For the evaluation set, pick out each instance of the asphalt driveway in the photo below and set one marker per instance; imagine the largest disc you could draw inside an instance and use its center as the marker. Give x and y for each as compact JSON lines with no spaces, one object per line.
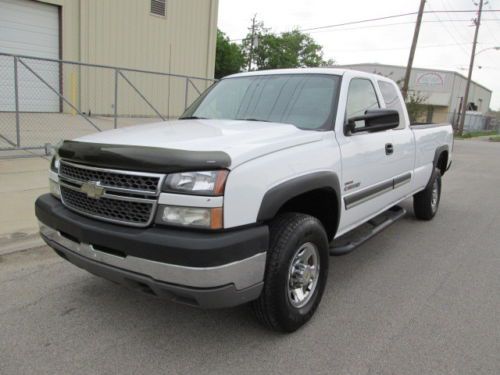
{"x":420,"y":298}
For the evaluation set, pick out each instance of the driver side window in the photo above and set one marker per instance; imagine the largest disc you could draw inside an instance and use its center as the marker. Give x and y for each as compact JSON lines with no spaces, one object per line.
{"x":360,"y":98}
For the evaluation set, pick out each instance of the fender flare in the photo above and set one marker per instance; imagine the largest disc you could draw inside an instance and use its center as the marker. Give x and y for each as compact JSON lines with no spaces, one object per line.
{"x":435,"y":169}
{"x":274,"y":198}
{"x":438,"y":153}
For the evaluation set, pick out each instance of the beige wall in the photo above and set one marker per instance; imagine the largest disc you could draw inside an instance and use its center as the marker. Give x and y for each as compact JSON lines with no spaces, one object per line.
{"x":440,"y":115}
{"x":124,"y":33}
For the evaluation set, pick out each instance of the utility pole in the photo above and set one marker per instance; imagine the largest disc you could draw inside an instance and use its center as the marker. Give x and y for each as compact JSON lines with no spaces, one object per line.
{"x":477,"y":22}
{"x":413,"y":48}
{"x":252,"y":39}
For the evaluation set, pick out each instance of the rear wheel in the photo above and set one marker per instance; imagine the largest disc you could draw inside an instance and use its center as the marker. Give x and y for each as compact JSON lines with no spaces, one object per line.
{"x":426,"y":203}
{"x":296,"y":272}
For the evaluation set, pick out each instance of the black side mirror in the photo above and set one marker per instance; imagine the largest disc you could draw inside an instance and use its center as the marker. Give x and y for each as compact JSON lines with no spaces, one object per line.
{"x":375,"y":120}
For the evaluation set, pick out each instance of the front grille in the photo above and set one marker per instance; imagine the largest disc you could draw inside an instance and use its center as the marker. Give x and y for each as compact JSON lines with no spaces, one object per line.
{"x":124,"y":197}
{"x":135,"y":213}
{"x":113,"y":179}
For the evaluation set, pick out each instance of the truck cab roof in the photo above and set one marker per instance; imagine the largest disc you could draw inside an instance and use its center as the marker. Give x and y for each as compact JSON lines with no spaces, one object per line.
{"x":329,"y":71}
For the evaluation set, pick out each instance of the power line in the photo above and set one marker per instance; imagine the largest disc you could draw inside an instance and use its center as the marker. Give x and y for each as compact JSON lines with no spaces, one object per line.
{"x":457,"y":30}
{"x":392,"y":16}
{"x":491,"y":32}
{"x":403,"y":48}
{"x":446,"y":28}
{"x":395,"y":24}
{"x":383,"y":18}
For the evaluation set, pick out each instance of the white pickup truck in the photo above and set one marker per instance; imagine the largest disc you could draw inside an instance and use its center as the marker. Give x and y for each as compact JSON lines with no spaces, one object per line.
{"x":244,"y":197}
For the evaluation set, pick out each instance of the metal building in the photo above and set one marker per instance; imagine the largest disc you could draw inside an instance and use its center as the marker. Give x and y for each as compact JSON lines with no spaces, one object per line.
{"x":170,"y":36}
{"x":442,"y":90}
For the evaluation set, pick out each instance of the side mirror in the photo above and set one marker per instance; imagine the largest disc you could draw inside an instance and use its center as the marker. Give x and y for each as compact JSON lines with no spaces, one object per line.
{"x":375,"y":120}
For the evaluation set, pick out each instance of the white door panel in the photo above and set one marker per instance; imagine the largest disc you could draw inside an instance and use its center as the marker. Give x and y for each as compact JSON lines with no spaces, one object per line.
{"x":372,"y":178}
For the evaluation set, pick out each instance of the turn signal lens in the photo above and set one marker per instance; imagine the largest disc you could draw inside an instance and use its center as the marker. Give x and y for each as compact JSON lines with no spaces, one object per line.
{"x":196,"y":217}
{"x":55,"y":189}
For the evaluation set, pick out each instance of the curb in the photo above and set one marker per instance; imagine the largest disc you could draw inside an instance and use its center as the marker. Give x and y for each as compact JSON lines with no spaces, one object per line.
{"x":12,"y":243}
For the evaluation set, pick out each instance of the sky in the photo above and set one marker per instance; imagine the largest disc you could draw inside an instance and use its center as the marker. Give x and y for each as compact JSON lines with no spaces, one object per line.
{"x":445,"y":40}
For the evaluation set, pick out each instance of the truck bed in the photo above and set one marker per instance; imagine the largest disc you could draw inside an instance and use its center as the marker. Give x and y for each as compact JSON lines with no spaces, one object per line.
{"x":424,"y":125}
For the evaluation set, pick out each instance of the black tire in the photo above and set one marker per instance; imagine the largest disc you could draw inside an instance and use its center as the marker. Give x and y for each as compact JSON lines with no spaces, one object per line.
{"x":424,"y":205}
{"x":289,"y":233}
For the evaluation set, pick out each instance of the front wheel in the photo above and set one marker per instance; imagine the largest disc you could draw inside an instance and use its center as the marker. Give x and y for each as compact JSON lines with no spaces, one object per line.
{"x":296,"y":272}
{"x":426,"y":202}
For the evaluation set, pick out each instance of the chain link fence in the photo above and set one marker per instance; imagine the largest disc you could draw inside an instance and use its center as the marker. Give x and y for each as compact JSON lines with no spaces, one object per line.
{"x":43,"y":100}
{"x":475,"y":122}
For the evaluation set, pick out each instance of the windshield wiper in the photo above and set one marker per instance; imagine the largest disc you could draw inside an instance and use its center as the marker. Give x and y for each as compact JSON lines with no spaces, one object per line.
{"x":193,"y":118}
{"x":251,"y":119}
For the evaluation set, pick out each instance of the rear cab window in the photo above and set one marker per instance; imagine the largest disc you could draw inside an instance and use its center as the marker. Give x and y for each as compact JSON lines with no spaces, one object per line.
{"x":392,"y":100}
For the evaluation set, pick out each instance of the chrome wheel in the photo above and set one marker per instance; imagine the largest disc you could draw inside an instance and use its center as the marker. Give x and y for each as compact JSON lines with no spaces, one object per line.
{"x":303,"y":275}
{"x":435,"y":196}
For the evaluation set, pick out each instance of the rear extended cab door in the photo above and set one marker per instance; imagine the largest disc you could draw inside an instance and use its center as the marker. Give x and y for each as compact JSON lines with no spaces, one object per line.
{"x":377,"y":167}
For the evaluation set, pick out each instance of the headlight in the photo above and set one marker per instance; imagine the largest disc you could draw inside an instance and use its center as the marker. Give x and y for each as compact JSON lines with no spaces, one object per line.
{"x":198,"y":183}
{"x":55,"y":163}
{"x":201,"y":217}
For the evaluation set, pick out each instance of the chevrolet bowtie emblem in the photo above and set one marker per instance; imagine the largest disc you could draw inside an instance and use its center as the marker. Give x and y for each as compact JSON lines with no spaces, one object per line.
{"x":92,"y":189}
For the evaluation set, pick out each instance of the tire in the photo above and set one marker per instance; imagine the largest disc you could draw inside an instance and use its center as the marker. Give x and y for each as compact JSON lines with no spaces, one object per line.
{"x":426,"y":202}
{"x":294,"y":238}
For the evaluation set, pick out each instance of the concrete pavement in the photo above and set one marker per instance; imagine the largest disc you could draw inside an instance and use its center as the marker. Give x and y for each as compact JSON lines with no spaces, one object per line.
{"x":22,"y":181}
{"x":420,"y":298}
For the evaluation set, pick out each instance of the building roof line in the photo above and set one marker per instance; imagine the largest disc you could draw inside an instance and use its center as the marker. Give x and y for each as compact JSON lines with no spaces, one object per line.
{"x":414,"y":68}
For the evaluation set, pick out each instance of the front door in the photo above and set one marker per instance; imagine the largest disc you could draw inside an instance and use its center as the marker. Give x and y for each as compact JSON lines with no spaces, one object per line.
{"x":367,"y":160}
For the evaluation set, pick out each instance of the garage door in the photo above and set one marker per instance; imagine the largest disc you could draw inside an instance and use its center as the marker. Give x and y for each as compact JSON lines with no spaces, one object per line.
{"x":29,"y":28}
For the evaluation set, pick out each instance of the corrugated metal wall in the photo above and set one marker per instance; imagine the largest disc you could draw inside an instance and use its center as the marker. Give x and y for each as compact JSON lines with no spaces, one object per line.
{"x":124,"y":33}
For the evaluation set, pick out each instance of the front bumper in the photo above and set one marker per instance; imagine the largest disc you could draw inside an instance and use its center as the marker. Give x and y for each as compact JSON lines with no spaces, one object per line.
{"x":202,"y":269}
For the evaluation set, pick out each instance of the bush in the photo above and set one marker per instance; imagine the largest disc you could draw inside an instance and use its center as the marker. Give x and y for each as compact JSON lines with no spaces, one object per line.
{"x":478,"y":134}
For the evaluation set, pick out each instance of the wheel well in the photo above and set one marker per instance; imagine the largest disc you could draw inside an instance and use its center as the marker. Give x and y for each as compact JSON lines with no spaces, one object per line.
{"x":442,"y":162}
{"x":320,"y":203}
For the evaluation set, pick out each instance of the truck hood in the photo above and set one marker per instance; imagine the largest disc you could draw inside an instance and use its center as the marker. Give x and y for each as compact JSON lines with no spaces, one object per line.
{"x":241,"y":140}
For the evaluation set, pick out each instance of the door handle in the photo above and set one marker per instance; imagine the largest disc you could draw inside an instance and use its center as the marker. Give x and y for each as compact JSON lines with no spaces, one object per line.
{"x":389,"y":149}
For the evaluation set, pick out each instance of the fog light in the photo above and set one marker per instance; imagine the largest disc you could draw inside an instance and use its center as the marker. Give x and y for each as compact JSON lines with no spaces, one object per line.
{"x":55,"y":189}
{"x":210,"y":218}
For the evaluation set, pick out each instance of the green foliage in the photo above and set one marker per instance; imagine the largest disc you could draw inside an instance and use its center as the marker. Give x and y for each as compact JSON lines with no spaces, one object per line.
{"x":229,"y":58}
{"x":495,"y":139}
{"x":292,"y":49}
{"x":480,"y":133}
{"x":415,"y":107}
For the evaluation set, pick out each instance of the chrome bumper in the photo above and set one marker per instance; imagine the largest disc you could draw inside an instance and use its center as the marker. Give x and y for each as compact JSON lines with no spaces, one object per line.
{"x":242,"y":274}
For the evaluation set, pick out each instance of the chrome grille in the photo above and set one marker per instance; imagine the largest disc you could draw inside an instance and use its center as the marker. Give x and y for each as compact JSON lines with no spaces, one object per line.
{"x":113,"y":179}
{"x":128,"y":198}
{"x":138,"y":213}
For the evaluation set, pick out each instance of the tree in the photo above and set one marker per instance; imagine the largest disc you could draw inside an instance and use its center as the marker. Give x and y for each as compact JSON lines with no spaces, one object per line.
{"x":229,"y":58}
{"x":292,"y":49}
{"x":256,"y":34}
{"x":415,"y":106}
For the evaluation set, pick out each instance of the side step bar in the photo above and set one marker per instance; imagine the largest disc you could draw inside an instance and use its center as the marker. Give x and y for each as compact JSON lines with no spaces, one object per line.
{"x":392,"y":215}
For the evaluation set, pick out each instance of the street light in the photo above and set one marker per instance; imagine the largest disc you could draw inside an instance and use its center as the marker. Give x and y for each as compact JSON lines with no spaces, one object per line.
{"x":469,"y":77}
{"x":497,"y":48}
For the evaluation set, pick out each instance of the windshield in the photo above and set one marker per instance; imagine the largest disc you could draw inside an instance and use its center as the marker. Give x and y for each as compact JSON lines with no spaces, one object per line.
{"x":304,"y":100}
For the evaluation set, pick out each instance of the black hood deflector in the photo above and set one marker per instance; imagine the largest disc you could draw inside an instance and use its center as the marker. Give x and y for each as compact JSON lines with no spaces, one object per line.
{"x":143,"y":159}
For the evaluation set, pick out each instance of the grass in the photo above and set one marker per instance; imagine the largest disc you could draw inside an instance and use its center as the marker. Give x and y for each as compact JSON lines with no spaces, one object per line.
{"x":476,"y":134}
{"x":495,"y":139}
